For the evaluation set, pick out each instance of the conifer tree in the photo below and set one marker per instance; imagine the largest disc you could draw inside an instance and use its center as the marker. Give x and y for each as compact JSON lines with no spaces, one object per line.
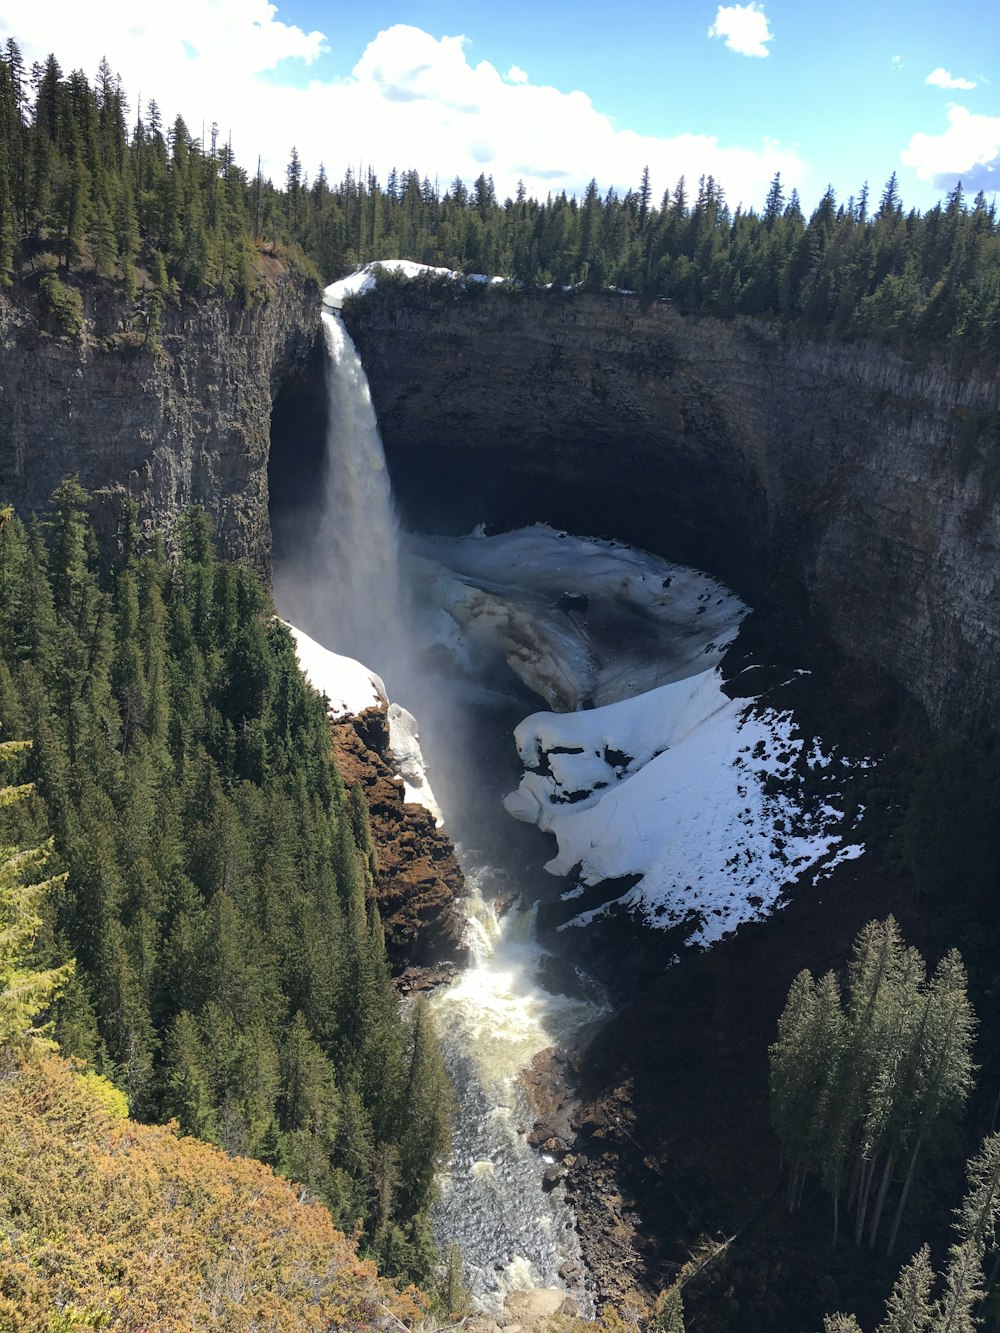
{"x":26,"y":991}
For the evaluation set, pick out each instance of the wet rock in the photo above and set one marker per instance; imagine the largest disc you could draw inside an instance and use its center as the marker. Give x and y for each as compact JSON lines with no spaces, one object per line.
{"x":421,"y":980}
{"x":552,"y":1177}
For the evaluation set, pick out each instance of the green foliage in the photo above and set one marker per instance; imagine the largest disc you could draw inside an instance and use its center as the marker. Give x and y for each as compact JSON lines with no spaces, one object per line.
{"x":26,"y":989}
{"x":218,"y":888}
{"x":62,"y":306}
{"x":857,"y":1088}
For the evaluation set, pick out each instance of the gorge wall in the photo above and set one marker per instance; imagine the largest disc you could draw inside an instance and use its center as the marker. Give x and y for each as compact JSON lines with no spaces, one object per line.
{"x":779,"y":464}
{"x":187,"y":422}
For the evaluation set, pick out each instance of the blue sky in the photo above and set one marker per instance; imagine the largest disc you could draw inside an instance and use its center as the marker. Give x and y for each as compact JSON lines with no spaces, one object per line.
{"x":557,"y":93}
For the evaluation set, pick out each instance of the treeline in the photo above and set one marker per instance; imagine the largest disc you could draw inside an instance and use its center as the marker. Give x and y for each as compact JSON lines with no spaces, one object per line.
{"x":218,"y":899}
{"x":93,"y":184}
{"x":849,"y":270}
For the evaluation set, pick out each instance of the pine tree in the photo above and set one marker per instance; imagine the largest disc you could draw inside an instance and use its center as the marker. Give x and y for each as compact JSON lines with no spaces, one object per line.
{"x":910,"y":1308}
{"x":26,"y":991}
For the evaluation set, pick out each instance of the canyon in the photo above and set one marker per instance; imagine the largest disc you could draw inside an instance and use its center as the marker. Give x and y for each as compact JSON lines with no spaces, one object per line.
{"x":847,"y":489}
{"x":847,"y":479}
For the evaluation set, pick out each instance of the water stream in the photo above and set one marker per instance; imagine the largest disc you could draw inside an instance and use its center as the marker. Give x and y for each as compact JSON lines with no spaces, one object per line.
{"x":344,"y":586}
{"x":492,"y":1021}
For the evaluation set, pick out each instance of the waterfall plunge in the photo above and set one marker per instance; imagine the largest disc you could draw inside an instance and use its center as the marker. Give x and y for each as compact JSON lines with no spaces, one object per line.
{"x":344,"y":586}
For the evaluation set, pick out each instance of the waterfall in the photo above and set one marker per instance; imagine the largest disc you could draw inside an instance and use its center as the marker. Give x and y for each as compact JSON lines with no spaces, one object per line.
{"x":344,"y":586}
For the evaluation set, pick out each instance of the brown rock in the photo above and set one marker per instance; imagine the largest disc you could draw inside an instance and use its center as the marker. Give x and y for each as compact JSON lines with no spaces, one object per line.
{"x":417,"y":877}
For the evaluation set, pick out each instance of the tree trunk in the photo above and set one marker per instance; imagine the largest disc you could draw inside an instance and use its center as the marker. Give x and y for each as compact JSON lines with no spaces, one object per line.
{"x":852,"y":1188}
{"x":866,"y":1186}
{"x":902,"y":1198}
{"x":890,"y":1162}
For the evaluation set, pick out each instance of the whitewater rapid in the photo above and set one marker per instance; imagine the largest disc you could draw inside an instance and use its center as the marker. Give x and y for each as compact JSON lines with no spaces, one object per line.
{"x":492,"y":1021}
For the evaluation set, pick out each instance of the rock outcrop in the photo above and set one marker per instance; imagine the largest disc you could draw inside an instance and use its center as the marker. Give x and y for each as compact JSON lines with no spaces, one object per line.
{"x":847,"y":472}
{"x":417,"y":879}
{"x":185,"y":423}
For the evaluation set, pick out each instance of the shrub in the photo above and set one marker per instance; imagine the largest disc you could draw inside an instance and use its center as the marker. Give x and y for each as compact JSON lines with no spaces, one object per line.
{"x":62,"y":307}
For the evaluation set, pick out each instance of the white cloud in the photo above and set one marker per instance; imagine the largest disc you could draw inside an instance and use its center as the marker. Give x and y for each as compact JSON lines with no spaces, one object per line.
{"x":411,"y":100}
{"x":744,"y":28}
{"x":516,"y":75}
{"x":940,"y":78}
{"x":968,"y":149}
{"x":897,"y":62}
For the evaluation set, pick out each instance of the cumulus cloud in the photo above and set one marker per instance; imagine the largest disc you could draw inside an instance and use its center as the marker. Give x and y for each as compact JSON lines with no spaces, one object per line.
{"x":896,"y":62}
{"x":411,"y":100}
{"x":940,"y":78}
{"x":968,"y":150}
{"x":744,"y":28}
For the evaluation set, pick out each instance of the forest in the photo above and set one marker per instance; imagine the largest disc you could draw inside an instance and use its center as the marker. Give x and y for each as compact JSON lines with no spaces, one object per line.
{"x":205,"y":946}
{"x":88,"y":183}
{"x":218,"y":893}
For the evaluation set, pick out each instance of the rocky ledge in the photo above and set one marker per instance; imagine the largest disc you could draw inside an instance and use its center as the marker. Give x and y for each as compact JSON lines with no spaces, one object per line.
{"x":417,"y":878}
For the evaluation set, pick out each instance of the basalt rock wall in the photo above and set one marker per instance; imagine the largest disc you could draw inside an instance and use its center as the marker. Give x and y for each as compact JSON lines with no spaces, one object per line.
{"x":866,"y":481}
{"x":177,"y":420}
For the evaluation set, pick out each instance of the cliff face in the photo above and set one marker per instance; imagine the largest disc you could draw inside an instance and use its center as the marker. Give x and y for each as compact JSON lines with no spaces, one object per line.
{"x":774,"y":462}
{"x":188,"y":424}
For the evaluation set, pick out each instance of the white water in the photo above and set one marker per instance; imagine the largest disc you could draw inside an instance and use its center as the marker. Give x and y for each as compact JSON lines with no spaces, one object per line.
{"x":492,"y":1021}
{"x":344,"y":585}
{"x":345,"y":588}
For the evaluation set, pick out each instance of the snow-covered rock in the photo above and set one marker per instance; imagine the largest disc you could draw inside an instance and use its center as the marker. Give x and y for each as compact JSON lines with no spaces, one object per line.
{"x":580,"y":621}
{"x":352,"y":689}
{"x":366,"y":279}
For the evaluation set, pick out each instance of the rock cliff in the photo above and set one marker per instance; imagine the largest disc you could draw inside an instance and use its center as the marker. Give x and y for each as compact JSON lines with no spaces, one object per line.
{"x":185,"y":424}
{"x":189,"y":423}
{"x":867,"y":481}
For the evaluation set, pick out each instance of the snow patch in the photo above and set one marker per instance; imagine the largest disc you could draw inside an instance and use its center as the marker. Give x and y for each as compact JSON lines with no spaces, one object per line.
{"x":366,"y":279}
{"x":707,"y":809}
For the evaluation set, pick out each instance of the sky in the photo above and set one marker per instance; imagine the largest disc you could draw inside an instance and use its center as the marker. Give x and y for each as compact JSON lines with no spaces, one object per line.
{"x":555,"y":94}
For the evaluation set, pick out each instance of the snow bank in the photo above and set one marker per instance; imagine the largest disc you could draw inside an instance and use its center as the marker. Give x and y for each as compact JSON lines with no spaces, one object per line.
{"x":350,"y":687}
{"x":700,"y":796}
{"x":366,"y":279}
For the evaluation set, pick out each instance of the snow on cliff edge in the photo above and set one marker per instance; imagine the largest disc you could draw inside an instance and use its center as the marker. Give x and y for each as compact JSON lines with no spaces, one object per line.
{"x":351,"y":689}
